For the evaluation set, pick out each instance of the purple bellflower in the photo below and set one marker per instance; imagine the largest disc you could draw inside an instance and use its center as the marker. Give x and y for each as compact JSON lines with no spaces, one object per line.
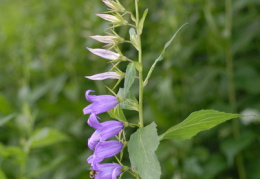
{"x":104,"y":130}
{"x":99,"y":103}
{"x":107,"y":170}
{"x":104,"y":150}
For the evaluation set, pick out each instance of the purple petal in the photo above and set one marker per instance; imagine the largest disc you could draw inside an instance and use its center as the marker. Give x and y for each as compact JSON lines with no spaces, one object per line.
{"x":107,"y":149}
{"x":107,"y":170}
{"x":110,"y":129}
{"x":93,"y":140}
{"x":90,"y":159}
{"x":100,"y":103}
{"x":93,"y":121}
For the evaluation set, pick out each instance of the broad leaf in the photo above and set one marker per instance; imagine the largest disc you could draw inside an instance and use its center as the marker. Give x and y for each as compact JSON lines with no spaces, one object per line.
{"x":129,"y":77}
{"x":141,"y":147}
{"x":47,"y":136}
{"x":197,"y":122}
{"x":117,"y":113}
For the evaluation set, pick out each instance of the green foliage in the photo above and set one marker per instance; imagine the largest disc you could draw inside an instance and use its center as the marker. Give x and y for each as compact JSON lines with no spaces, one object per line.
{"x":129,"y":77}
{"x":197,"y":122}
{"x":141,"y":147}
{"x":43,"y":53}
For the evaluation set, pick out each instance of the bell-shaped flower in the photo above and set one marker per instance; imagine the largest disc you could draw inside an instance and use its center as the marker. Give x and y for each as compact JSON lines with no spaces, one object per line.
{"x":93,"y":140}
{"x":103,"y":53}
{"x":118,"y":19}
{"x":99,"y":103}
{"x":104,"y":150}
{"x":109,"y":39}
{"x":104,"y":130}
{"x":103,"y":76}
{"x":107,"y":170}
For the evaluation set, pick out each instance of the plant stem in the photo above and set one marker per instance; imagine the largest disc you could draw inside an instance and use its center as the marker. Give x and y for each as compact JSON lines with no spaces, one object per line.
{"x":231,"y":88}
{"x":141,"y":83}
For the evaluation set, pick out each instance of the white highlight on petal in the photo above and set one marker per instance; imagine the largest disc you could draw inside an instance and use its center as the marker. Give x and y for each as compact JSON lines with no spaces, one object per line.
{"x":107,"y":54}
{"x":109,"y":17}
{"x":103,"y":76}
{"x":109,"y":4}
{"x":104,"y":39}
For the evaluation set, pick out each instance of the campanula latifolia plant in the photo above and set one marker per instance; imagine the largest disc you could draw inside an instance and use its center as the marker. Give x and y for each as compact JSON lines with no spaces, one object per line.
{"x":143,"y":143}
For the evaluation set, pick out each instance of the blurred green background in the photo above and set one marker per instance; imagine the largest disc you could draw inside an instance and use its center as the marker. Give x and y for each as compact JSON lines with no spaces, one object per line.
{"x":213,"y":63}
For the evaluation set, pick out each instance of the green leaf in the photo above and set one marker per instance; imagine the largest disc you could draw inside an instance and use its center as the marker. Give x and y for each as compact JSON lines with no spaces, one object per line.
{"x":196,"y":122}
{"x":117,"y":113}
{"x":16,"y":154}
{"x":130,"y":102}
{"x":129,"y":78}
{"x":161,"y":55}
{"x":133,"y":38}
{"x":5,"y":107}
{"x":46,"y":136}
{"x":141,"y":22}
{"x":6,"y":119}
{"x":2,"y":174}
{"x":141,"y":147}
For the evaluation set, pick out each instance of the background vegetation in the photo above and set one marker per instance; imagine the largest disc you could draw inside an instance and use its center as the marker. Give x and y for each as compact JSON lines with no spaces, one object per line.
{"x":212,"y":64}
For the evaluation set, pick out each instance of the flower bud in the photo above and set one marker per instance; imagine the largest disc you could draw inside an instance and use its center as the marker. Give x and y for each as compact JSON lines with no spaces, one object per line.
{"x":107,"y":54}
{"x":108,"y":39}
{"x":115,"y":6}
{"x":103,"y":76}
{"x":117,"y":20}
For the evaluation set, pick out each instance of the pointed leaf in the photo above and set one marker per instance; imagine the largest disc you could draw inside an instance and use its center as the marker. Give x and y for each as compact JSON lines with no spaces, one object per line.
{"x":47,"y":136}
{"x":133,"y":38}
{"x":141,"y":22}
{"x":130,"y":102}
{"x":196,"y":122}
{"x":6,"y":119}
{"x":141,"y":147}
{"x":117,"y":113}
{"x":129,"y":77}
{"x":161,"y":55}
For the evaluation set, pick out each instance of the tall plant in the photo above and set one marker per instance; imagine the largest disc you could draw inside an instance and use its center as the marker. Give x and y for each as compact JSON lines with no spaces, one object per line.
{"x":143,"y":143}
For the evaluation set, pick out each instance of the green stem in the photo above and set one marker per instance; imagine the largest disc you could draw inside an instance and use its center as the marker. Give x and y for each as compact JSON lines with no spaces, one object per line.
{"x":141,"y":83}
{"x":231,"y":87}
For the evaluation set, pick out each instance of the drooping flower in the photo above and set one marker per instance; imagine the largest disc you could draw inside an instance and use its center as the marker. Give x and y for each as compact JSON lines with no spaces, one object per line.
{"x":104,"y":130}
{"x":107,"y":170}
{"x":104,"y":150}
{"x":103,"y":76}
{"x":103,"y":53}
{"x":108,"y":39}
{"x":99,"y":103}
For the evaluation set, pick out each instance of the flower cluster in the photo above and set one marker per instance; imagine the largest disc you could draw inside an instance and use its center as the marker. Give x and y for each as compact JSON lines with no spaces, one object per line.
{"x":103,"y":103}
{"x":104,"y":130}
